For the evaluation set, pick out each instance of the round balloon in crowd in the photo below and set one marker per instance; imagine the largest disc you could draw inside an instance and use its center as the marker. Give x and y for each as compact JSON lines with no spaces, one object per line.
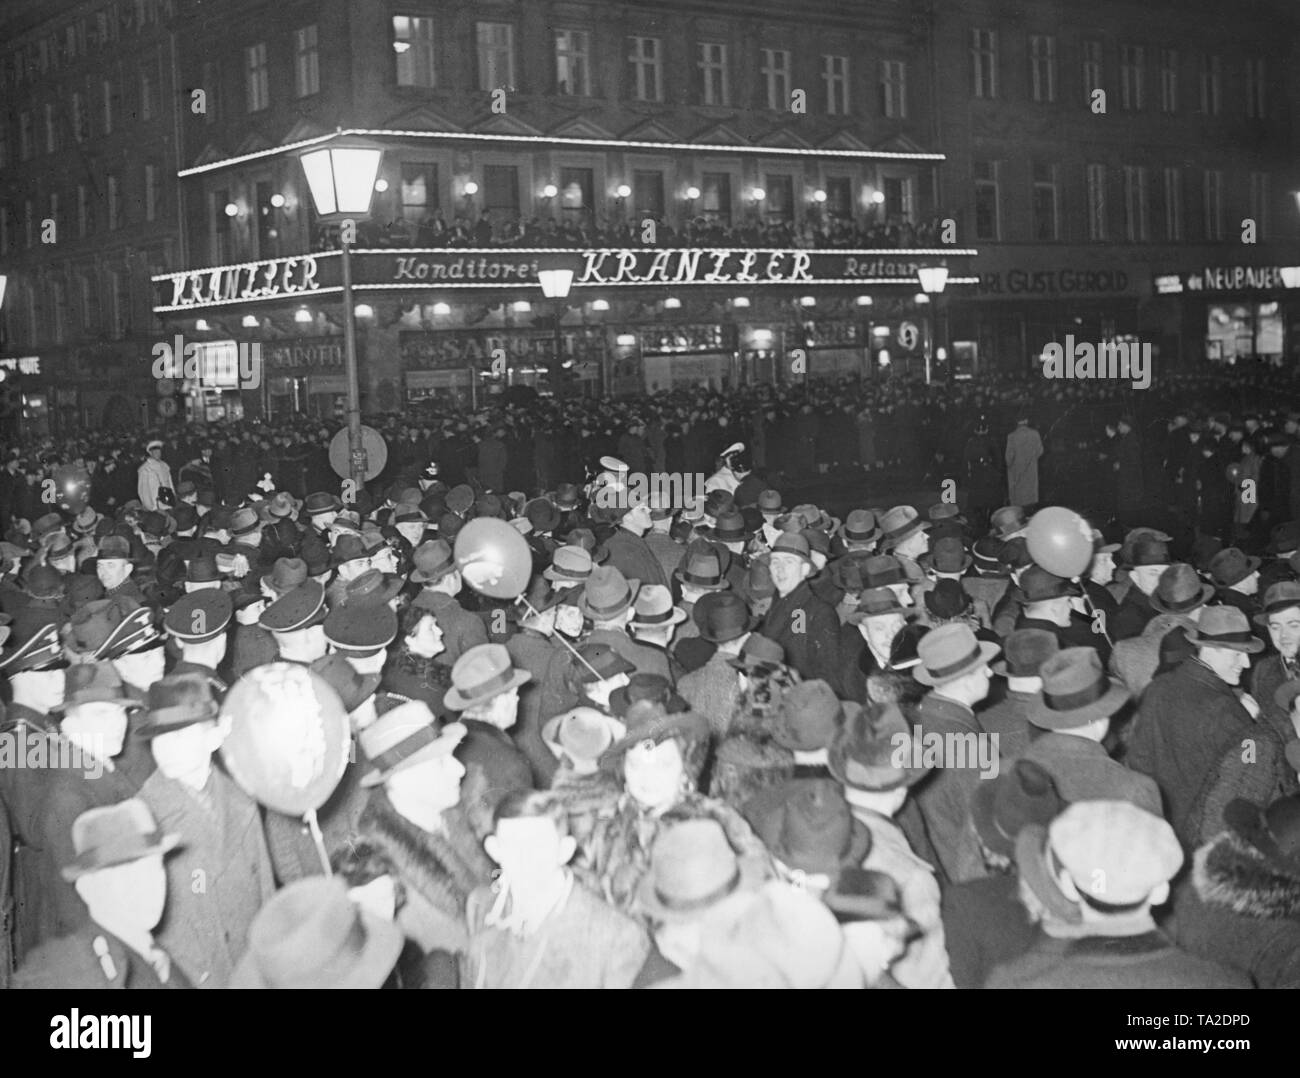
{"x":289,"y":740}
{"x":1060,"y":541}
{"x":493,"y":558}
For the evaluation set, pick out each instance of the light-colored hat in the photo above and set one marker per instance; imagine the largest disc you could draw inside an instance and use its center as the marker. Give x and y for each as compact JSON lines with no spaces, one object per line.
{"x":654,"y":608}
{"x":404,"y":737}
{"x":1115,"y":852}
{"x":692,"y":870}
{"x":484,"y":671}
{"x":582,"y":734}
{"x":949,"y":652}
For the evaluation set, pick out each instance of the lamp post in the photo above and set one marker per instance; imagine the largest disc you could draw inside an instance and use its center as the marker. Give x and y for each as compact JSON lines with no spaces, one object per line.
{"x":933,"y":281}
{"x":342,"y":177}
{"x":555,"y":274}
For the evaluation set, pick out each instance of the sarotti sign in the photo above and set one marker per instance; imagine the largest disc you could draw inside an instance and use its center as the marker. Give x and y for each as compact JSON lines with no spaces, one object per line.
{"x":320,"y":274}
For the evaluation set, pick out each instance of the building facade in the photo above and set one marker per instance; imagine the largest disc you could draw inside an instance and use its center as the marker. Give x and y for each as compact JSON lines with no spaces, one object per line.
{"x":1117,"y":163}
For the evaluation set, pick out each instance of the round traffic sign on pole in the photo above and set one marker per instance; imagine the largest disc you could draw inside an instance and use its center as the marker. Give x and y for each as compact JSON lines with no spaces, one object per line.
{"x":167,"y":407}
{"x":373,"y":448}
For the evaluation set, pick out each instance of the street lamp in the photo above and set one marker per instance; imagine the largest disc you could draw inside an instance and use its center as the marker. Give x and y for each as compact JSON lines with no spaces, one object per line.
{"x":933,"y":281}
{"x":555,"y":274}
{"x":342,"y":177}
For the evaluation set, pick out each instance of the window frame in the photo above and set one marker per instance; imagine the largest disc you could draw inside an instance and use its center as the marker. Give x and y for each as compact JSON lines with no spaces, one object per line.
{"x":719,"y":66}
{"x":831,"y":79}
{"x":257,"y":78}
{"x":565,"y":57}
{"x":306,"y":61}
{"x":982,"y":183}
{"x":984,"y":63}
{"x":893,"y":91}
{"x":1042,"y":69}
{"x":639,"y":64}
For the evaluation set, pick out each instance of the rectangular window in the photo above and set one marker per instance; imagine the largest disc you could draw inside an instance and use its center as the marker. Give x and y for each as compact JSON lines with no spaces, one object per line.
{"x":713,"y":73}
{"x":85,"y":219}
{"x":1136,"y":229}
{"x":648,"y":193}
{"x":59,"y":307}
{"x":1042,"y":68}
{"x":51,"y":129}
{"x":496,"y":56}
{"x":419,"y":190}
{"x":900,"y":199}
{"x":645,"y":58}
{"x":25,"y":136}
{"x":775,"y":69}
{"x":835,"y":74}
{"x":1259,"y":203}
{"x":114,"y":203}
{"x":1255,"y":83}
{"x":501,"y":190}
{"x":1045,"y":210}
{"x":893,"y":89}
{"x":413,"y":50}
{"x":1211,"y":85}
{"x":256,"y":87}
{"x":89,"y":304}
{"x":1213,"y":204}
{"x":80,"y":129}
{"x":1092,"y":71}
{"x":1173,"y":203}
{"x":1132,"y":74}
{"x":839,"y":198}
{"x":573,"y":63}
{"x":778,"y":206}
{"x":1096,"y":184}
{"x":576,"y":188}
{"x":986,"y":200}
{"x":1168,"y":80}
{"x":715,"y":197}
{"x":121,"y":294}
{"x":984,"y":63}
{"x":150,"y":192}
{"x":148,"y":96}
{"x":306,"y":60}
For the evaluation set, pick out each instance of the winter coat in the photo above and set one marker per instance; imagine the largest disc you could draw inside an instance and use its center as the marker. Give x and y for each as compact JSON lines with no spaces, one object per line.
{"x":217,"y":879}
{"x":1187,"y":720}
{"x":1256,"y":771}
{"x":1084,"y":771}
{"x":1240,"y":909}
{"x":629,"y":554}
{"x":440,"y":871}
{"x":152,"y":477}
{"x":944,"y":796}
{"x":461,"y":629}
{"x":1136,"y":660}
{"x":1024,"y":449}
{"x":1008,"y":720}
{"x":74,"y":962}
{"x":713,"y":692}
{"x":984,"y":926}
{"x":814,"y":651}
{"x":1265,"y":680}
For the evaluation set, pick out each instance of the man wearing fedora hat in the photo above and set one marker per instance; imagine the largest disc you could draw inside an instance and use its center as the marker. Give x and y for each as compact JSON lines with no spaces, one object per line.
{"x":802,"y":622}
{"x":440,"y":580}
{"x":955,"y":667}
{"x":655,"y":618}
{"x":609,"y":600}
{"x":536,"y":926}
{"x":1189,"y":717}
{"x":627,"y":549}
{"x":414,"y":816}
{"x":1281,"y":617}
{"x":1146,"y":560}
{"x":1180,"y":598}
{"x":714,"y":689}
{"x":1048,"y":605}
{"x":660,"y":536}
{"x":864,"y":758}
{"x":868,"y":644}
{"x":1024,"y":653}
{"x":1116,"y":861}
{"x":1236,"y":580}
{"x":1073,"y":709}
{"x":204,"y":930}
{"x":810,"y":832}
{"x":116,"y":864}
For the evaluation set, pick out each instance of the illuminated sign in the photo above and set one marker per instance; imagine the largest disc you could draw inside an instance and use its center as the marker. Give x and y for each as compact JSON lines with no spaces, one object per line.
{"x":22,"y":364}
{"x":1019,"y":282}
{"x":315,"y":276}
{"x":1230,"y":279}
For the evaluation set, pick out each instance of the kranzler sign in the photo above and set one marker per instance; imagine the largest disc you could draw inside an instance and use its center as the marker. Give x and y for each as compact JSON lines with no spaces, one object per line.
{"x":302,"y":278}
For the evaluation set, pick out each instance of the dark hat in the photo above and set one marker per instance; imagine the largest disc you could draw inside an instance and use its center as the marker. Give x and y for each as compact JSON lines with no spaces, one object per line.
{"x":95,"y":682}
{"x":202,"y":569}
{"x":542,"y":514}
{"x":566,"y":496}
{"x":1025,"y":651}
{"x":600,"y":662}
{"x":46,"y":525}
{"x":716,"y":501}
{"x":1284,"y":538}
{"x":1204,"y":548}
{"x":460,"y":498}
{"x":1015,"y":554}
{"x":877,"y":602}
{"x":489,"y":505}
{"x":83,"y":589}
{"x":433,"y":560}
{"x":722,"y":616}
{"x":42,"y":582}
{"x":882,"y":569}
{"x":947,"y":600}
{"x":177,"y":701}
{"x":199,"y":616}
{"x":1231,"y":566}
{"x":809,"y":717}
{"x":1224,"y":627}
{"x":298,"y":609}
{"x":693,"y":868}
{"x":285,"y":575}
{"x":949,"y":652}
{"x":1180,"y":590}
{"x":132,"y":630}
{"x":1038,"y":585}
{"x":1007,"y":522}
{"x":115,"y":835}
{"x":361,"y":629}
{"x":349,"y":547}
{"x":1146,"y":551}
{"x":758,"y":652}
{"x":648,"y":721}
{"x":646,"y":686}
{"x":607,"y":594}
{"x":807,"y":825}
{"x":371,"y":588}
{"x":40,"y":651}
{"x":114,"y":547}
{"x":1024,"y":795}
{"x":867,"y":751}
{"x":1075,"y":692}
{"x":1273,"y":831}
{"x":354,"y":688}
{"x":770,"y":501}
{"x":758,"y":581}
{"x":863,"y":894}
{"x":947,"y":555}
{"x":321,"y":502}
{"x":185,"y":516}
{"x":154,"y":524}
{"x":730,"y":527}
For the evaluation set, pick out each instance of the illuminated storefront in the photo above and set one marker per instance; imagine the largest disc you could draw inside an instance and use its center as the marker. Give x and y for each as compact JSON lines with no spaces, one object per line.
{"x":1236,"y":314}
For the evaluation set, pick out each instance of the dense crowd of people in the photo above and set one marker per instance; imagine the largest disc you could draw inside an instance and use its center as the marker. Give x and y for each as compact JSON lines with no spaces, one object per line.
{"x":509,"y":716}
